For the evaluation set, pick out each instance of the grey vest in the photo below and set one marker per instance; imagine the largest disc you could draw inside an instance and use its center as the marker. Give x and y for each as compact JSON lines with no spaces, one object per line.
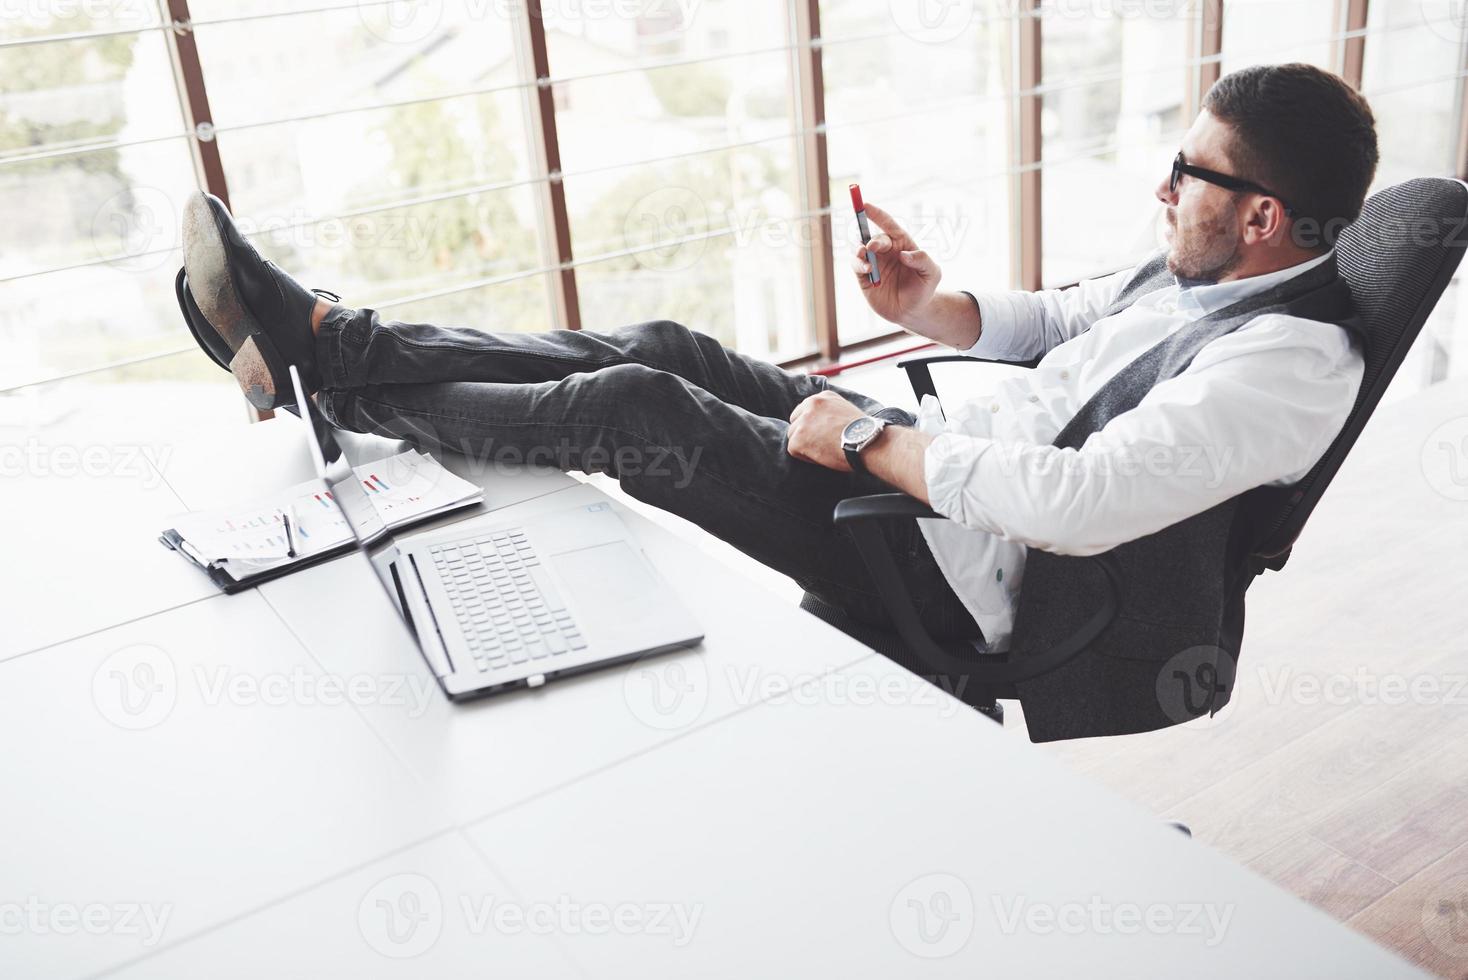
{"x":1170,"y":653}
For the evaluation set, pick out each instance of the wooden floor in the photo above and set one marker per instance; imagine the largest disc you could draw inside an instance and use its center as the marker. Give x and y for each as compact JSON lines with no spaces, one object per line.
{"x":1340,"y":769}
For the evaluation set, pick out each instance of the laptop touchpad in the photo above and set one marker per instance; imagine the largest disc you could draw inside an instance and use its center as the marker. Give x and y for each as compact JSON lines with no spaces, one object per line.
{"x":609,"y":583}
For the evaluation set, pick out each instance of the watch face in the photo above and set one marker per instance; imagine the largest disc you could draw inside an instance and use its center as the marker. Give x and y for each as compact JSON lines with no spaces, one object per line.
{"x":859,"y":430}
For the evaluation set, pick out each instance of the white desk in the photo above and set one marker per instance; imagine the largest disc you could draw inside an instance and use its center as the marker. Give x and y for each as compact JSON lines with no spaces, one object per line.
{"x":779,"y":801}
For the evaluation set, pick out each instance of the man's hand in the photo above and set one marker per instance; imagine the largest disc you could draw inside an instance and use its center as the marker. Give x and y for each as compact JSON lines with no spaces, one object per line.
{"x":815,"y":430}
{"x":896,"y":458}
{"x":909,"y":277}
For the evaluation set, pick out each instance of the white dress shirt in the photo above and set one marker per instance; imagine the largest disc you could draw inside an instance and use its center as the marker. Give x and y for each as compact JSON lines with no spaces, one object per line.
{"x":1257,"y":406}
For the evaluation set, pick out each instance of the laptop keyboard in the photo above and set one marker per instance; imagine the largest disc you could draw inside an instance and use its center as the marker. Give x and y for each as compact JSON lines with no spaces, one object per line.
{"x":507,"y":617}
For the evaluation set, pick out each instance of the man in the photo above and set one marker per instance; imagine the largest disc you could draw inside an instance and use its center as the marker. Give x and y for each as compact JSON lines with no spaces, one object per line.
{"x":1278,"y":160}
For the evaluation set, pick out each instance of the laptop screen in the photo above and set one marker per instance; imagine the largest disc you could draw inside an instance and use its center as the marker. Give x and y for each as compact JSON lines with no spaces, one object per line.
{"x":374,"y":539}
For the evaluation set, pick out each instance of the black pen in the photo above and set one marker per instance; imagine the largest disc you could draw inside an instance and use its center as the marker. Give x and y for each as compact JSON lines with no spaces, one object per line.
{"x":290,"y":541}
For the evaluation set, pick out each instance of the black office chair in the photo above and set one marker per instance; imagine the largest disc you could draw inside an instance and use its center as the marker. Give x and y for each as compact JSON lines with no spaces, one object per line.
{"x":1397,"y":258}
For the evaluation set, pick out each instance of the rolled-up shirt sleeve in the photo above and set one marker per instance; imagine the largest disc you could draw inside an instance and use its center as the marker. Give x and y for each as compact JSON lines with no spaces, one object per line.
{"x":1019,"y":325}
{"x":1258,"y":406}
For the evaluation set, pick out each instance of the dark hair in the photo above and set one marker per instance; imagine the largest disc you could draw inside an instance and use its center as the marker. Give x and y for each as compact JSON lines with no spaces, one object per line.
{"x":1303,"y":133}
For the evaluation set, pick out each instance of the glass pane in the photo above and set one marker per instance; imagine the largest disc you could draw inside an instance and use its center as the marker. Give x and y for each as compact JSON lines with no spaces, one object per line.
{"x":677,"y":140}
{"x":117,"y":206}
{"x":204,"y":11}
{"x":89,"y":247}
{"x":48,"y":19}
{"x":358,"y":56}
{"x":1259,"y":32}
{"x":625,"y":118}
{"x":410,"y":181}
{"x":384,"y":255}
{"x":64,"y":94}
{"x":291,"y":173}
{"x":748,"y":296}
{"x":1118,"y":134}
{"x":1414,"y":50}
{"x":917,"y":113}
{"x":517,"y":305}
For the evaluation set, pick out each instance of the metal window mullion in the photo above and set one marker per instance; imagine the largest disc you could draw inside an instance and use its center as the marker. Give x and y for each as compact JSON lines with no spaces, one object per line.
{"x":545,"y":154}
{"x":1460,"y":109}
{"x":814,"y":175}
{"x":1207,"y":41}
{"x":194,"y":97}
{"x":195,"y":100}
{"x":1027,"y":183}
{"x":1349,"y":49}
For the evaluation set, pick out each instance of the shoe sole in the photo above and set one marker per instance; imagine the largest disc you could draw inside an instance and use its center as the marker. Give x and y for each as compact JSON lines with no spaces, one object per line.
{"x":256,"y":365}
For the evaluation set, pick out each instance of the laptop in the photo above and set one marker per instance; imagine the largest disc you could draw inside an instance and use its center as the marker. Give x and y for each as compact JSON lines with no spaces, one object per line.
{"x":512,"y":604}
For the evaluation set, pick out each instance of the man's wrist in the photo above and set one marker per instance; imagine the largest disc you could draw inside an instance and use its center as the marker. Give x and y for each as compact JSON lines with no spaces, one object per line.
{"x":897,"y":457}
{"x":950,"y":318}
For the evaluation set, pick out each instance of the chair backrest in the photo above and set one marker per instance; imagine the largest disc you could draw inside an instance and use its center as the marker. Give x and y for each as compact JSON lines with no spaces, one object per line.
{"x":1397,"y":258}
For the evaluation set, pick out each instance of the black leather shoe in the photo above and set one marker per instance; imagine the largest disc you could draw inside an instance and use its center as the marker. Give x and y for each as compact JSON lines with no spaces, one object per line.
{"x":209,"y":341}
{"x":256,"y":318}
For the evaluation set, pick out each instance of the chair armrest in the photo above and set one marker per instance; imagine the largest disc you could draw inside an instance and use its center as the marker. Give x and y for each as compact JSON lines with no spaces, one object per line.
{"x":921,"y":377}
{"x":860,"y":515}
{"x":855,"y":509}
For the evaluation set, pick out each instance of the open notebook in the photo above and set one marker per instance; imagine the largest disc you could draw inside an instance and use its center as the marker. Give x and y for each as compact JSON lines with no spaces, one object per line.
{"x":247,"y":544}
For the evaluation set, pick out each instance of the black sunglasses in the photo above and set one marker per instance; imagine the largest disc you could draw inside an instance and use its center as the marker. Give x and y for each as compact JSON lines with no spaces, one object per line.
{"x":1226,"y":181}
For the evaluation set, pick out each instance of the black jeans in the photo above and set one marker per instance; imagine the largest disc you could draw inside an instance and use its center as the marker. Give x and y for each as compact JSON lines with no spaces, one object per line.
{"x":680,"y":421}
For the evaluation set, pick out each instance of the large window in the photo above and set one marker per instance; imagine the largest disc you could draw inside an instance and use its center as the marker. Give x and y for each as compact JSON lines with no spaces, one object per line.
{"x":398,"y":152}
{"x":1114,"y":82}
{"x":918,"y":113}
{"x":1413,"y":75}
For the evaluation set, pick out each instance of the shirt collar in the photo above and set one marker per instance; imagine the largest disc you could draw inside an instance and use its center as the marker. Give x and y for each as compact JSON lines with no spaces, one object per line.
{"x":1197,"y":301}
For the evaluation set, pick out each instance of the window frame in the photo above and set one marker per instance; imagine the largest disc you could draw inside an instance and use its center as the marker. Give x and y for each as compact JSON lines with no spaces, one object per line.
{"x":819,"y":275}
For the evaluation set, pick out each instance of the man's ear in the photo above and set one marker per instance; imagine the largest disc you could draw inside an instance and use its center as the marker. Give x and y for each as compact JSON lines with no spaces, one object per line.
{"x":1265,"y":222}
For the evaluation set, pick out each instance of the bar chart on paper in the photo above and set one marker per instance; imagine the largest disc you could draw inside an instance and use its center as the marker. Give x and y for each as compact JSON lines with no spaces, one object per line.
{"x":402,"y":489}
